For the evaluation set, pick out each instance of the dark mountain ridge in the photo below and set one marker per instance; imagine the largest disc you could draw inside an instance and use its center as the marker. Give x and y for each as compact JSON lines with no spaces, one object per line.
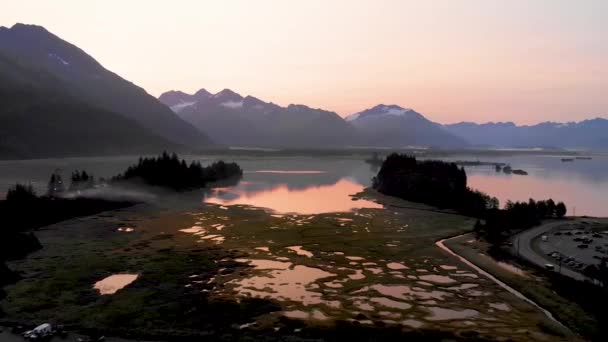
{"x":85,"y":79}
{"x":38,"y":119}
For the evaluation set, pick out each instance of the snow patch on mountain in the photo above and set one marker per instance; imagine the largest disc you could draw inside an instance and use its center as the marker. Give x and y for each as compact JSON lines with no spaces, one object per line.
{"x":379,"y":111}
{"x":396,"y":111}
{"x":353,"y":117}
{"x":57,"y":57}
{"x":180,"y":106}
{"x":232,"y":104}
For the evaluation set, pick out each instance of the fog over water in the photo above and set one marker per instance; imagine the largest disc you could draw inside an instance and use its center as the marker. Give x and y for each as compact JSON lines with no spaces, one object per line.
{"x":309,"y":183}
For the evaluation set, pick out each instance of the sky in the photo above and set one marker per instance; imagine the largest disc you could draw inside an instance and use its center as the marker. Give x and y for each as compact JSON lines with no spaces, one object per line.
{"x":453,"y":60}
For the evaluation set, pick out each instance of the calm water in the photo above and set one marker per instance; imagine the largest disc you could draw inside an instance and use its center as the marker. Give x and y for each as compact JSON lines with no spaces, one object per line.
{"x":323,"y":184}
{"x":581,"y":184}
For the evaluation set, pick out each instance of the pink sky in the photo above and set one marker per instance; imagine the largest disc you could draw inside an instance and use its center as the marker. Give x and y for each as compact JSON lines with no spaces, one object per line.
{"x":476,"y":60}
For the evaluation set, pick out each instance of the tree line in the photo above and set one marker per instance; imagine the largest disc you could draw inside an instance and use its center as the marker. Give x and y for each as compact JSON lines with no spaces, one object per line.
{"x":499,"y":223}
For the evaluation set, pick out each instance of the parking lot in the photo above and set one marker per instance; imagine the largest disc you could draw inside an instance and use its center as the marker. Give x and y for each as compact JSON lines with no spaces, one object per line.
{"x":576,"y":244}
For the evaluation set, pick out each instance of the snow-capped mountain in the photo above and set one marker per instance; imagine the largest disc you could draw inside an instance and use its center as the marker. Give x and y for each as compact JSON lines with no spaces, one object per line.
{"x":589,"y":134}
{"x":394,"y":126}
{"x":231,"y":119}
{"x":382,"y":110}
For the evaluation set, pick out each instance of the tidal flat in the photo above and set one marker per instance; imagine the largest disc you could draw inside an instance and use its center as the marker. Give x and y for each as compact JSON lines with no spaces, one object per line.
{"x":236,"y":271}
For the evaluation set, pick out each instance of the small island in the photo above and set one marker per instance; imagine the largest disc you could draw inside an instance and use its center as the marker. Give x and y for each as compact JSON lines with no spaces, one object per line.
{"x":169,"y":171}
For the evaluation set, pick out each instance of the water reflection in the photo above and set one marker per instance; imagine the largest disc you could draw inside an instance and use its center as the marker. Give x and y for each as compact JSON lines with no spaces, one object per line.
{"x":113,"y":283}
{"x":291,"y":172}
{"x":314,"y":199}
{"x":442,"y":314}
{"x":582,"y":184}
{"x":283,"y":281}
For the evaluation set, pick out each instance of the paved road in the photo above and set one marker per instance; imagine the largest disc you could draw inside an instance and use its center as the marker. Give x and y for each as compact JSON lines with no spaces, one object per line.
{"x":522,"y":245}
{"x":441,"y":244}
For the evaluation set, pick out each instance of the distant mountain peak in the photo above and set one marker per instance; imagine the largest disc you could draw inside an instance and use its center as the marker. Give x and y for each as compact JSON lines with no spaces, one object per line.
{"x":29,"y":28}
{"x":382,"y":110}
{"x":252,"y":101}
{"x":175,"y":93}
{"x":228,"y":94}
{"x":29,"y":33}
{"x":174,"y":99}
{"x":202,"y":93}
{"x":390,"y":108}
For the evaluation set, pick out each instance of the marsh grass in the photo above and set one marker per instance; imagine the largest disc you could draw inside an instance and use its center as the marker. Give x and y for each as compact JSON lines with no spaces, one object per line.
{"x":184,"y":289}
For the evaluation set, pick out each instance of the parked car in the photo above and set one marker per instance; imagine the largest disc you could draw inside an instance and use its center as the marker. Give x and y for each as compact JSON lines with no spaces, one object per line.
{"x":41,"y":331}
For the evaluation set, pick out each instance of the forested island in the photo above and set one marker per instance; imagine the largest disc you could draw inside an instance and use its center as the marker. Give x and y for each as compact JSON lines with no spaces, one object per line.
{"x":170,"y":172}
{"x":444,"y":185}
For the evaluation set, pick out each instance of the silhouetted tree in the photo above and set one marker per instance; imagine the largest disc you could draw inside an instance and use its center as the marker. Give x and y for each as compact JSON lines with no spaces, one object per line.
{"x":560,"y":210}
{"x":21,"y":193}
{"x":81,"y":181}
{"x":541,"y":208}
{"x":550,"y":208}
{"x":55,"y":186}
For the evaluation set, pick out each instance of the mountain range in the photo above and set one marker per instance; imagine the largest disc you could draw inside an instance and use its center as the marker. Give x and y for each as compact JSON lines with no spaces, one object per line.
{"x":234,"y":120}
{"x":587,"y":134}
{"x":58,"y":100}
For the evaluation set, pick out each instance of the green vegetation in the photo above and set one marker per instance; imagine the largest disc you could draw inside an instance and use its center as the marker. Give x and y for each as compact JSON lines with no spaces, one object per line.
{"x":171,"y":172}
{"x":185,"y":288}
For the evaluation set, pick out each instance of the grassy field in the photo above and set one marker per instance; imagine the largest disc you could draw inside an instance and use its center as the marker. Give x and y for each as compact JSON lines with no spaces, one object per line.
{"x":361,"y":275}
